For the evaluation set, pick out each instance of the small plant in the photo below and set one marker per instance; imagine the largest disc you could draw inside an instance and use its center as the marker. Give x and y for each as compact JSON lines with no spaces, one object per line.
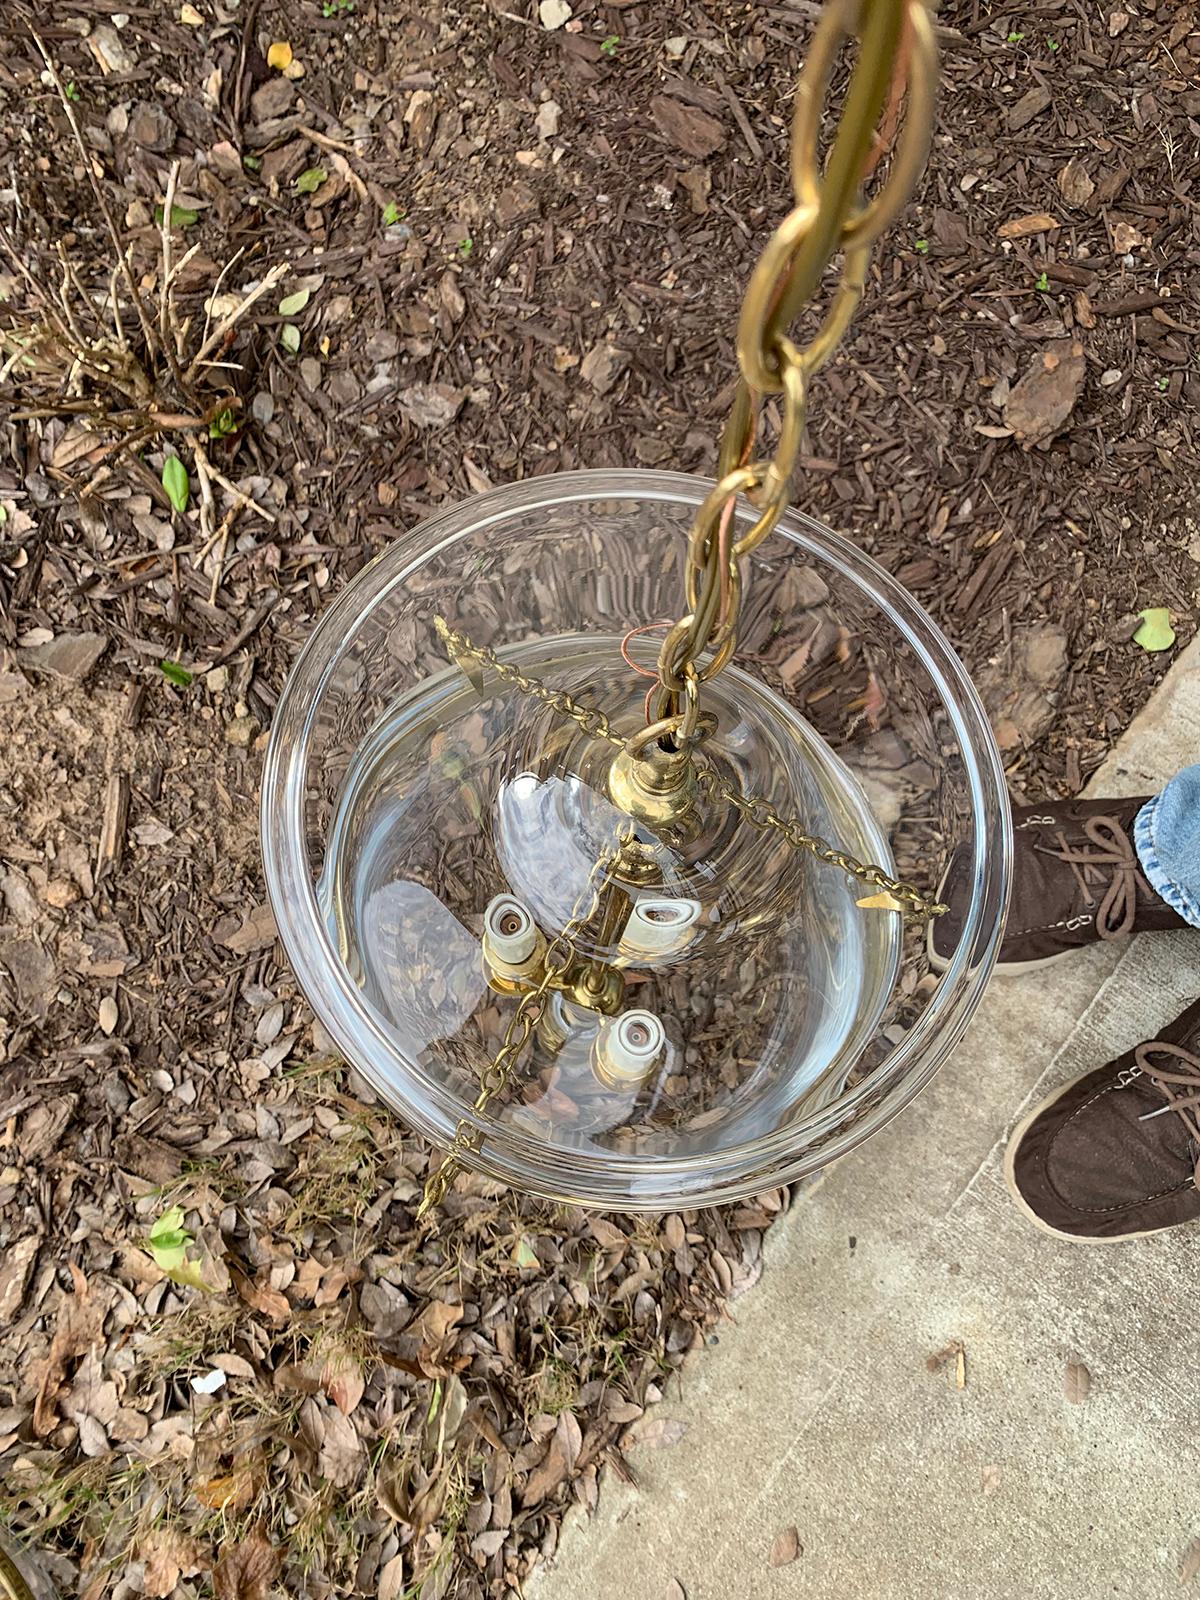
{"x":1053,"y":45}
{"x":1162,"y":384}
{"x":223,"y":424}
{"x":72,"y":92}
{"x":1015,"y":38}
{"x":174,"y":672}
{"x":465,"y":246}
{"x":336,"y":8}
{"x":610,"y":45}
{"x":922,"y":247}
{"x":181,"y":216}
{"x":310,"y":180}
{"x":392,"y":214}
{"x":1043,"y":283}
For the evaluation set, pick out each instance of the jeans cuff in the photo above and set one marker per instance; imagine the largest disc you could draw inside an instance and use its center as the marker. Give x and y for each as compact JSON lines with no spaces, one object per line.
{"x":1173,"y":893}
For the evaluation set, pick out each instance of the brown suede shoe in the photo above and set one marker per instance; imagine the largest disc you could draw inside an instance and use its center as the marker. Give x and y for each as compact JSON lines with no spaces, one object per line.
{"x":1076,"y":879}
{"x":1115,"y":1154}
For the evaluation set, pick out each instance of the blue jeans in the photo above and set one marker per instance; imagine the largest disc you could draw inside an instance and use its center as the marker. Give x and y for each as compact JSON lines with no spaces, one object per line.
{"x":1167,"y":836}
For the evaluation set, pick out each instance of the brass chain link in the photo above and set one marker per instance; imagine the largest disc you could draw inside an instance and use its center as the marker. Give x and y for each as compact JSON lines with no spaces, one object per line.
{"x":561,"y":955}
{"x":897,"y":55}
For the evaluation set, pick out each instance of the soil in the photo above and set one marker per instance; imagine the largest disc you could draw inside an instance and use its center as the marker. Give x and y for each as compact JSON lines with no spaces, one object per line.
{"x":524,"y":253}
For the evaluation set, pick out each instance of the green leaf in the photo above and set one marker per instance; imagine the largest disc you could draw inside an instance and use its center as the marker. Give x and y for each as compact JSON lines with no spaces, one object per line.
{"x":289,"y":337}
{"x":922,"y":245}
{"x":175,"y":482}
{"x":391,"y":214}
{"x":525,"y":1255}
{"x":168,"y":1245}
{"x":1156,"y":632}
{"x":181,"y":216}
{"x":310,"y":180}
{"x":254,"y":163}
{"x":291,"y":304}
{"x":609,"y":45}
{"x":174,"y":673}
{"x":1043,"y":283}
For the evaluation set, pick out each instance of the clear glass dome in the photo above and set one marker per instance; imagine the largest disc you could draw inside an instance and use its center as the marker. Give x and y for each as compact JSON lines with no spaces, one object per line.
{"x":736,"y":1016}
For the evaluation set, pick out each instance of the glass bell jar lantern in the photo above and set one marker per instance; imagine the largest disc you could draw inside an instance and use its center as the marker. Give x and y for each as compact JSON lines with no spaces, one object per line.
{"x":605,"y":816}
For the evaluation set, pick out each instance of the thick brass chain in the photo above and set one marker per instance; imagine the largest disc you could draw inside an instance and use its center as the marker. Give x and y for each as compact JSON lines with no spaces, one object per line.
{"x":756,"y":809}
{"x":896,"y":55}
{"x":561,"y":955}
{"x":12,"y":1583}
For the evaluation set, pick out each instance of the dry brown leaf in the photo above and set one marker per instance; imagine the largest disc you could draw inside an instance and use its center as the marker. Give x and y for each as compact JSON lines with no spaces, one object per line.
{"x":1025,"y":227}
{"x":231,"y":1491}
{"x":248,"y":1570}
{"x":557,"y":1464}
{"x":14,"y":1275}
{"x":342,"y":1380}
{"x":1189,"y":1562}
{"x":659,"y":1433}
{"x":391,"y":1579}
{"x":169,"y":1554}
{"x":80,"y":1318}
{"x":341,"y":1454}
{"x":1074,"y":184}
{"x":1077,"y":1381}
{"x":262,"y":1297}
{"x":785,"y":1546}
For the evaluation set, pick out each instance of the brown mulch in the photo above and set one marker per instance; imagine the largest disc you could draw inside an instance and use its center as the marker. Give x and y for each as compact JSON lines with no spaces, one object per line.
{"x":1009,"y":429}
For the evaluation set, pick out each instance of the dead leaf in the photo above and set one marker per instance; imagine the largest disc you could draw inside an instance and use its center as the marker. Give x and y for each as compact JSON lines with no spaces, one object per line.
{"x":686,"y":127}
{"x":341,"y":1454}
{"x":1074,"y":184}
{"x":1189,"y":1564}
{"x":391,"y":1579}
{"x":558,"y":1463}
{"x":80,"y":1318}
{"x":431,"y":405}
{"x":249,"y":1569}
{"x":1044,"y":399}
{"x":1025,"y":227}
{"x":169,"y":1554}
{"x":262,"y":1297}
{"x":342,"y":1380}
{"x":659,"y":1433}
{"x":1077,"y":1381}
{"x":785,"y":1547}
{"x":231,"y":1491}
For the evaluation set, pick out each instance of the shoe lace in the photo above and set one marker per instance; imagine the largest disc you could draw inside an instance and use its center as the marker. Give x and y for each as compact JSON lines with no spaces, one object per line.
{"x":1112,"y":849}
{"x":1170,"y":1083}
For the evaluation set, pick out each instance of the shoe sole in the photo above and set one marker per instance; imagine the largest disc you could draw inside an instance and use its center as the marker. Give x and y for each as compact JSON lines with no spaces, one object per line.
{"x":1010,"y":1178}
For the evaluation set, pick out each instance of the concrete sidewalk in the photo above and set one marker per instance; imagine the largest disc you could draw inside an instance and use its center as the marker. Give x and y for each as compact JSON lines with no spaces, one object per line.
{"x":818,"y":1408}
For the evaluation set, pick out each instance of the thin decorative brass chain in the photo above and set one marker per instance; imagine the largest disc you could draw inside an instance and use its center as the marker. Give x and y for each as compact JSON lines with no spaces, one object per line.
{"x":896,"y":54}
{"x":761,"y":814}
{"x":593,"y":721}
{"x":757,"y":810}
{"x":561,"y":954}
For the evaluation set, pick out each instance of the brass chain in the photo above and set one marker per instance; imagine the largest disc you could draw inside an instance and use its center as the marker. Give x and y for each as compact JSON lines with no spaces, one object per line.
{"x":561,"y":955}
{"x":761,"y":814}
{"x":757,"y":810}
{"x":593,"y":721}
{"x":12,"y":1582}
{"x":897,"y":55}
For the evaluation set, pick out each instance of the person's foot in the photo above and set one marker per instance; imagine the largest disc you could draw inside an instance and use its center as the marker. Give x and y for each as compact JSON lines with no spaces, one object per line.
{"x":1115,"y":1154}
{"x":1076,"y":878}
